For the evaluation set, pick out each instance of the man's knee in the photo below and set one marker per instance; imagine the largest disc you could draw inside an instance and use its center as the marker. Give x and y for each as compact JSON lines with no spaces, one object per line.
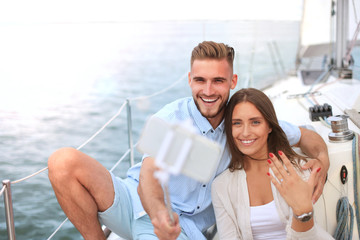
{"x":62,"y":162}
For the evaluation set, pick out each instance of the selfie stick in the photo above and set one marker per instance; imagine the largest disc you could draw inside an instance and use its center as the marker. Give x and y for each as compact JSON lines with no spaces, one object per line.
{"x":164,"y":174}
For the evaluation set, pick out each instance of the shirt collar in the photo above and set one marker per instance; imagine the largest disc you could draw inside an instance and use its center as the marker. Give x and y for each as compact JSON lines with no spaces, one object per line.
{"x":200,"y":121}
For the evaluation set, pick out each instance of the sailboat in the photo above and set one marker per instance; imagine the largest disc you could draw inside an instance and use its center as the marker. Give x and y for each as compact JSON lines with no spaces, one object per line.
{"x":323,"y":96}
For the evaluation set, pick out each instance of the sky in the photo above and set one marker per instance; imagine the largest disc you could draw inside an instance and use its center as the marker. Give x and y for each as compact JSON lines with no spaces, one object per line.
{"x":144,"y":10}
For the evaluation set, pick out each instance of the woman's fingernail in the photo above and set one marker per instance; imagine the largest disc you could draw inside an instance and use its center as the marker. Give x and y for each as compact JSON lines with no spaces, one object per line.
{"x":268,"y":174}
{"x":318,"y":170}
{"x":280,"y":152}
{"x":271,"y":155}
{"x":269,"y":161}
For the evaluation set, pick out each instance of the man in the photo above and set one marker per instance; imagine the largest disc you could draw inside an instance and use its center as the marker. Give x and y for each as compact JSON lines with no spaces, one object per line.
{"x":86,"y":190}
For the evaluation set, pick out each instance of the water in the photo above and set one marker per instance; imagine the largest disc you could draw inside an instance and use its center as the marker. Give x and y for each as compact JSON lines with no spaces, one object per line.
{"x":60,"y":82}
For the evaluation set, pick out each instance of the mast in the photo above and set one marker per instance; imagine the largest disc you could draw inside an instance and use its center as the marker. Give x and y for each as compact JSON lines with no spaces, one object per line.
{"x":342,"y":28}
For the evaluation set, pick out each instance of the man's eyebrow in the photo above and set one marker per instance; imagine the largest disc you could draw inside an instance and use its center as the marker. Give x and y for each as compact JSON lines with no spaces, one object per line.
{"x":219,"y":78}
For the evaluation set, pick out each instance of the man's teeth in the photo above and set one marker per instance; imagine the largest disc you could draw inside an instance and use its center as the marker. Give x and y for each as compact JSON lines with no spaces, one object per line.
{"x":247,"y":141}
{"x":208,"y":100}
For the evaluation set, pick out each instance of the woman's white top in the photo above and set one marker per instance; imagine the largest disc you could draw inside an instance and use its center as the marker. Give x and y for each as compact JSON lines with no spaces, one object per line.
{"x":266,"y":223}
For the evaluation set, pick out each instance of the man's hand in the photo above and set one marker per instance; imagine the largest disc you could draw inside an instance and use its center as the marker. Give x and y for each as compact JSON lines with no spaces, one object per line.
{"x":314,"y":146}
{"x":163,"y":228}
{"x":320,"y":178}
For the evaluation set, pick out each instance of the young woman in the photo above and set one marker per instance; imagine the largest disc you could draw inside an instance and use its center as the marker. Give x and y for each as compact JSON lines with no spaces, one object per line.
{"x":263,"y":194}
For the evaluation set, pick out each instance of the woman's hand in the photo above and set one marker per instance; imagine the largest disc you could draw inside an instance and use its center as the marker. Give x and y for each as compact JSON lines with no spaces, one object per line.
{"x":296,"y":192}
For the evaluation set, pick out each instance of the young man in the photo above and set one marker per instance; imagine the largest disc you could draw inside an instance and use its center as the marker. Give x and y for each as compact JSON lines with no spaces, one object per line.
{"x":134,"y":207}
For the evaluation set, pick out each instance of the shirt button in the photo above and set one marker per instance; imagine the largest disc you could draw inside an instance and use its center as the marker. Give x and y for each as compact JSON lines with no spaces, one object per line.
{"x":198,"y":207}
{"x":204,"y":185}
{"x":180,"y":214}
{"x":203,"y":132}
{"x":212,"y":131}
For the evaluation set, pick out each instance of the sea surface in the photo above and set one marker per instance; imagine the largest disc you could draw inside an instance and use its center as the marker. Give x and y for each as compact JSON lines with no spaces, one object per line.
{"x":62,"y":81}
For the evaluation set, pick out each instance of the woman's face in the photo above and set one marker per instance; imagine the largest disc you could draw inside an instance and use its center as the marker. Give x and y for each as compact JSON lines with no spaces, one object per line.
{"x":250,"y":130}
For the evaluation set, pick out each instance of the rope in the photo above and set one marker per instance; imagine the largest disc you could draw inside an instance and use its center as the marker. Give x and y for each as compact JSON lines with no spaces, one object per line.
{"x":103,"y":127}
{"x":30,"y":176}
{"x":60,"y":226}
{"x":356,"y":167}
{"x":325,"y":122}
{"x":2,"y":190}
{"x":343,"y":211}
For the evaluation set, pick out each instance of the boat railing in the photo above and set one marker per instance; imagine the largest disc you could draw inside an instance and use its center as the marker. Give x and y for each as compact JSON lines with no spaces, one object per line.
{"x":7,"y":184}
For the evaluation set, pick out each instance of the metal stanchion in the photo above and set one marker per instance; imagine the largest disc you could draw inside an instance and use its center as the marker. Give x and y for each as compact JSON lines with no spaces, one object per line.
{"x":9,"y":210}
{"x":129,"y":122}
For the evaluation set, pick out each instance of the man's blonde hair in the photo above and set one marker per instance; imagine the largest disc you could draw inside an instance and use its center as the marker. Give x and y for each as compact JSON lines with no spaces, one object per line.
{"x":213,"y":50}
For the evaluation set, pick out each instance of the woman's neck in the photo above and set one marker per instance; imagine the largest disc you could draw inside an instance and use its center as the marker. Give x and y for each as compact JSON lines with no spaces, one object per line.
{"x":256,"y":164}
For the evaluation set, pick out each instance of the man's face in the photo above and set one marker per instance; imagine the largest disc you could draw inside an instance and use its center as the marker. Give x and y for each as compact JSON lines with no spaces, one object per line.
{"x":210,"y":81}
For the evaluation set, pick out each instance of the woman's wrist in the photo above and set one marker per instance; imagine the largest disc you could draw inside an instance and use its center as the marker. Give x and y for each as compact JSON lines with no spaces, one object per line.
{"x":302,"y":210}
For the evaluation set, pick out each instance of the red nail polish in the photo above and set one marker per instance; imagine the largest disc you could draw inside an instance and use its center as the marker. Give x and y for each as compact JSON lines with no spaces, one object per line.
{"x":269,"y":161}
{"x":280,"y":152}
{"x":271,"y":155}
{"x":318,"y":170}
{"x":268,"y":174}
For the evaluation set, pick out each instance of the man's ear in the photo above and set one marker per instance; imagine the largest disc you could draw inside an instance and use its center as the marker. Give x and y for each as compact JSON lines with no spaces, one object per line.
{"x":234,"y":81}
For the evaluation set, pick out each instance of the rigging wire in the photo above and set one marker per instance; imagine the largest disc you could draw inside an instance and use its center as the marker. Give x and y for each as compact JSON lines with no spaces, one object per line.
{"x":355,"y":14}
{"x":352,"y":43}
{"x":60,"y":226}
{"x":103,"y":127}
{"x":2,"y":190}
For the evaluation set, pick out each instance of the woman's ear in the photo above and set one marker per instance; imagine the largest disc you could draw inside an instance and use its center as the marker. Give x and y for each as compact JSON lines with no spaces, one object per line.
{"x":270,"y":130}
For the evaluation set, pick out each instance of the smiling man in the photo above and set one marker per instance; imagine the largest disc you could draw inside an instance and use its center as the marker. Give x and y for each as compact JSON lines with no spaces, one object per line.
{"x":210,"y":81}
{"x":134,"y":207}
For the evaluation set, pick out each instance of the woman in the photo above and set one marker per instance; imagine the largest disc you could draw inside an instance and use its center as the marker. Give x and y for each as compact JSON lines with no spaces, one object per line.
{"x":263,"y":194}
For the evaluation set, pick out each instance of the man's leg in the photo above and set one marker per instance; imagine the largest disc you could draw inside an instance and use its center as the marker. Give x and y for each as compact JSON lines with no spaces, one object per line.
{"x":83,"y":188}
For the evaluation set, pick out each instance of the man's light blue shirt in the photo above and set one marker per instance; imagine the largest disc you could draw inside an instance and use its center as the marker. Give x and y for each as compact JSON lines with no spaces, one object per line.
{"x":191,"y":199}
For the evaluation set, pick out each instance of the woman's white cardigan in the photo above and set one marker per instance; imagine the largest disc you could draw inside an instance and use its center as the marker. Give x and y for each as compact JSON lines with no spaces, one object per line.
{"x":230,"y":199}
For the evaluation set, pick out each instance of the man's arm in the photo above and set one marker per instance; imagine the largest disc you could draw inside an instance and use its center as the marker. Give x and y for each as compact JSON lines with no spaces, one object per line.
{"x":152,"y":199}
{"x":314,"y":146}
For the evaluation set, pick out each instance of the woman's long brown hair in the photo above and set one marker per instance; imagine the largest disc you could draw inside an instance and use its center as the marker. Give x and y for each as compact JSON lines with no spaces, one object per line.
{"x":277,"y":139}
